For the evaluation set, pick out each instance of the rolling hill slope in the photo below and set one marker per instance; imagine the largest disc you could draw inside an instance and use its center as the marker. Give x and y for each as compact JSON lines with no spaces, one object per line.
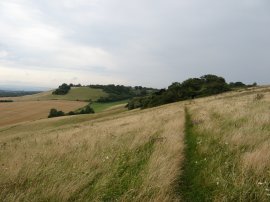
{"x":75,"y":94}
{"x":144,"y":155}
{"x":16,"y":112}
{"x":113,"y":155}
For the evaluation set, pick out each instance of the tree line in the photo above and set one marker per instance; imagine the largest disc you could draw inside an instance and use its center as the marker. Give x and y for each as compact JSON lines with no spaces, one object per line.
{"x":121,"y":92}
{"x":7,"y":93}
{"x":115,"y":92}
{"x":85,"y":110}
{"x":6,"y":100}
{"x":189,"y":89}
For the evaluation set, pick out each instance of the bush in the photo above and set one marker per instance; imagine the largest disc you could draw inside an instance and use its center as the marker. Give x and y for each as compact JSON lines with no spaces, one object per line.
{"x":6,"y":100}
{"x":86,"y":110}
{"x":71,"y":113}
{"x":55,"y":113}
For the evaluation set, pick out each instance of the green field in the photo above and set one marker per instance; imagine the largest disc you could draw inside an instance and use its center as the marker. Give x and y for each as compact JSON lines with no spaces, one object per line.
{"x":98,"y":107}
{"x":75,"y":94}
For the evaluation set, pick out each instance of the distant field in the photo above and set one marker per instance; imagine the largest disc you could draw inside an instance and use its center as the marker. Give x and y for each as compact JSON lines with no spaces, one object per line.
{"x":15,"y":112}
{"x":98,"y":107}
{"x":78,"y":93}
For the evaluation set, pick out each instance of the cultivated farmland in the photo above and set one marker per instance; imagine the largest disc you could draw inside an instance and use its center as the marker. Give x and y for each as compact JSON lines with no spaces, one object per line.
{"x":75,"y":94}
{"x":15,"y":112}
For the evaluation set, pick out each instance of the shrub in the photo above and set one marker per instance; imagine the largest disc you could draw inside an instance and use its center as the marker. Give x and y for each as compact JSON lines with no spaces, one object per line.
{"x":259,"y":96}
{"x":6,"y":100}
{"x":86,"y":110}
{"x":71,"y":113}
{"x":55,"y":113}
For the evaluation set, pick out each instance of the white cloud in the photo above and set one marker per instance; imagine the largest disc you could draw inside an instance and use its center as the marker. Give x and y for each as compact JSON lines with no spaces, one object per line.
{"x":36,"y":43}
{"x":3,"y":54}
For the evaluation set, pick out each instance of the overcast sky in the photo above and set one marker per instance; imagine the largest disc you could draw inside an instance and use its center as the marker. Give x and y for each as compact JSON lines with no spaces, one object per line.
{"x":132,"y":42}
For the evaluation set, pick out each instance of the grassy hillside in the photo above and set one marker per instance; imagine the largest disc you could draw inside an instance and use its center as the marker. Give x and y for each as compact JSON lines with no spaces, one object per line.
{"x":230,"y":138}
{"x":77,"y":93}
{"x":113,"y":155}
{"x":143,"y":155}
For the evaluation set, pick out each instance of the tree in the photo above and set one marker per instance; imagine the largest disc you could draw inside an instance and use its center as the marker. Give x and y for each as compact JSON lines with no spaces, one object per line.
{"x":62,"y":90}
{"x":88,"y":110}
{"x":237,"y":84}
{"x":55,"y":113}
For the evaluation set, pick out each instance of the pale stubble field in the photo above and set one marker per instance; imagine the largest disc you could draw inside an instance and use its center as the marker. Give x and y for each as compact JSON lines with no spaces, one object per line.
{"x":16,"y":112}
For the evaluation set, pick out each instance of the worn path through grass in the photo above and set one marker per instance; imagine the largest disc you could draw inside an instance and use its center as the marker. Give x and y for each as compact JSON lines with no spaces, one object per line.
{"x":227,"y":149}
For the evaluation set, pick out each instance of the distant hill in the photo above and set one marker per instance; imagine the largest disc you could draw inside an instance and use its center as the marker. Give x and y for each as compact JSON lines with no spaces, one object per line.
{"x":75,"y":94}
{"x":11,"y":93}
{"x":96,"y":93}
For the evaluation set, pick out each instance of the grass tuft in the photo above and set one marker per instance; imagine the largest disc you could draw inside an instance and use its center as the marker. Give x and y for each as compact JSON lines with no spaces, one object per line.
{"x":126,"y":177}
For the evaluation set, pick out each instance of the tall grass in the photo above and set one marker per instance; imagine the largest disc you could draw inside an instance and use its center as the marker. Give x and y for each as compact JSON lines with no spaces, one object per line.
{"x":126,"y":156}
{"x":233,"y":139}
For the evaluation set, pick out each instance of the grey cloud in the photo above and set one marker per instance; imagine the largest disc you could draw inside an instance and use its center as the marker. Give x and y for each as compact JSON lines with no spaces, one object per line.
{"x":149,"y":43}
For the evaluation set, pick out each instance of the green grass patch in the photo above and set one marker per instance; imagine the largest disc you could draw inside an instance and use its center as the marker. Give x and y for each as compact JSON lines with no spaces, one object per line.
{"x":80,"y":93}
{"x":86,"y":191}
{"x":191,"y":185}
{"x":211,"y":169}
{"x":98,"y":107}
{"x":127,"y":176}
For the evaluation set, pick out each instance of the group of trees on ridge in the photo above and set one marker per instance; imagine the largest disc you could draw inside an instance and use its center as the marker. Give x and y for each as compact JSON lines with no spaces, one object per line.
{"x":62,"y":90}
{"x":85,"y":110}
{"x":115,"y":92}
{"x":120,"y":92}
{"x":142,"y":97}
{"x":189,"y":89}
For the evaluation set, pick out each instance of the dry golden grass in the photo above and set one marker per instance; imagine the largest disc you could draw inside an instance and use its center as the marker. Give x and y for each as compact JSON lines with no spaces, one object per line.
{"x":234,"y":137}
{"x":138,"y":155}
{"x":15,"y":112}
{"x":114,"y":155}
